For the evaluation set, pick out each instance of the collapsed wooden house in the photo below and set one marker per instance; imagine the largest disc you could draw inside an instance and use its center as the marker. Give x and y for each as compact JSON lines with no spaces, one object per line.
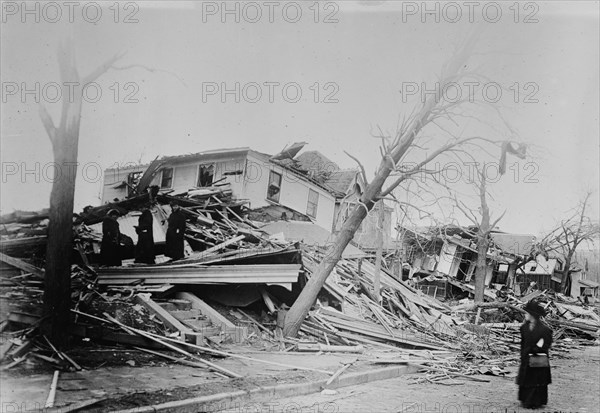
{"x":239,"y":275}
{"x":444,"y":259}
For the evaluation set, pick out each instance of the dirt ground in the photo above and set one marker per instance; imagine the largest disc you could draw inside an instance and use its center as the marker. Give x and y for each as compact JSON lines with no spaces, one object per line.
{"x":575,"y":389}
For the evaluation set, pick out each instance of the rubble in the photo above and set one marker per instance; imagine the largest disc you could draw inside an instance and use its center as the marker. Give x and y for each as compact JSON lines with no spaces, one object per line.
{"x":157,"y":309}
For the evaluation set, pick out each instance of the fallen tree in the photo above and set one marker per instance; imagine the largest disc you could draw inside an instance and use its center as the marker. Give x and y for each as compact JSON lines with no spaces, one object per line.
{"x":393,"y":151}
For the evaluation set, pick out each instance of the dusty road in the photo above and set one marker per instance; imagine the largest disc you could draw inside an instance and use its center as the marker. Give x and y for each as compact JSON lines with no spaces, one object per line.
{"x":575,"y":388}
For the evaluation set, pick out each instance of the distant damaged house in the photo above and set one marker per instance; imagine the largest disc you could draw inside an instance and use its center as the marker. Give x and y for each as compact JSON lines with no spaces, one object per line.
{"x":308,"y":187}
{"x":445,"y":258}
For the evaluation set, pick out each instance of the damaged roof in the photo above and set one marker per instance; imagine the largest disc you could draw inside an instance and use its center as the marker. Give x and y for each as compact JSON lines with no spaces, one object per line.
{"x":341,"y":180}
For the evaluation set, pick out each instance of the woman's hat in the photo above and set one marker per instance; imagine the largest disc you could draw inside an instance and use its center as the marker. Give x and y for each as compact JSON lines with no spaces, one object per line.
{"x":535,"y":309}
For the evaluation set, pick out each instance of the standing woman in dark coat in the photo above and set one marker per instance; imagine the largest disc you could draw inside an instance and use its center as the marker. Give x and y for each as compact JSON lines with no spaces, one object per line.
{"x":175,"y":233}
{"x":144,"y":250}
{"x":110,"y":252}
{"x":534,"y":371}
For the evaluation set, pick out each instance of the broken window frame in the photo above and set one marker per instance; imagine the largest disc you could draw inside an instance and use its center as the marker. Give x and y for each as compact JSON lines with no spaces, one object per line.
{"x":166,"y":180}
{"x":199,"y":182}
{"x":274,"y":186}
{"x":312,"y":207}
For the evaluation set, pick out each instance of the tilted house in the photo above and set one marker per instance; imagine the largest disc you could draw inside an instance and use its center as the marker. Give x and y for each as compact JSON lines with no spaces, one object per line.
{"x":252,"y":176}
{"x":308,"y":187}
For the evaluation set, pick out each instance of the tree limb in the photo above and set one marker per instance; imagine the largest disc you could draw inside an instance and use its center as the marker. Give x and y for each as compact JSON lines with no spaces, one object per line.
{"x":362,"y":168}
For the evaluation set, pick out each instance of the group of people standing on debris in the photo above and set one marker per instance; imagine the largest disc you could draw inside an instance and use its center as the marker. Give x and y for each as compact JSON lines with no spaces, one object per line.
{"x":110,"y":248}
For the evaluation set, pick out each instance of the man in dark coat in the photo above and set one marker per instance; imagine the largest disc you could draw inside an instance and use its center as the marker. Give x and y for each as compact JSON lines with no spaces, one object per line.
{"x":175,"y":233}
{"x":110,"y":252}
{"x":144,"y":250}
{"x":536,"y":338}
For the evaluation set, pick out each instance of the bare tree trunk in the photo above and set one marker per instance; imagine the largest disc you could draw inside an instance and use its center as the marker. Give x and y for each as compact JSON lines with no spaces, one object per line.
{"x":564,"y":285}
{"x":57,"y":283}
{"x":65,"y":141}
{"x":483,"y":240}
{"x":481,"y":268}
{"x":296,"y":315}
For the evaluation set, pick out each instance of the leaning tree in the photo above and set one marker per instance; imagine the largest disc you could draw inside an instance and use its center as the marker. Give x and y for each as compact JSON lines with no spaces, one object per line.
{"x":394,"y":164}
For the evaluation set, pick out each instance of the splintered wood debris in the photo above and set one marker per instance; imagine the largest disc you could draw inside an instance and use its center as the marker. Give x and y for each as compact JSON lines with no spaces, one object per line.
{"x":156,"y":308}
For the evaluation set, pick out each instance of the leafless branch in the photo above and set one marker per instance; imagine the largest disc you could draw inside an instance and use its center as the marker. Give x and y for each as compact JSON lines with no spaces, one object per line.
{"x":360,"y":165}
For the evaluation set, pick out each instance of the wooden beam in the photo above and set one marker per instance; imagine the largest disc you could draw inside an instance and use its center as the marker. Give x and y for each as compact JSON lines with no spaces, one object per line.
{"x":316,"y":347}
{"x":162,"y":314}
{"x":224,"y":244}
{"x":165,"y":340}
{"x":267,"y":300}
{"x":106,"y":335}
{"x":213,"y":315}
{"x":175,"y":348}
{"x":22,"y":265}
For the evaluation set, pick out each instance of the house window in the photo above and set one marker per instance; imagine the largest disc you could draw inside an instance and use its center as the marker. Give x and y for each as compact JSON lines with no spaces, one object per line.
{"x":133,"y":180}
{"x":206,"y":174}
{"x":274,"y":188}
{"x":166,"y":180}
{"x":313,"y":203}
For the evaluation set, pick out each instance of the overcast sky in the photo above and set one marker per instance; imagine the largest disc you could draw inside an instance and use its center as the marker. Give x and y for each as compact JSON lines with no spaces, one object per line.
{"x":349,"y":60}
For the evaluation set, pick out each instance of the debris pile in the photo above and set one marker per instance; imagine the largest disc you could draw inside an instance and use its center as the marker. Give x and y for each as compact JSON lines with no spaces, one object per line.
{"x":160,"y":310}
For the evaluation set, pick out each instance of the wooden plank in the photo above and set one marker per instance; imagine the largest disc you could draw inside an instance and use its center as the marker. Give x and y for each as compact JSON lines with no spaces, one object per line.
{"x":339,"y":372}
{"x":213,"y":315}
{"x":175,"y":359}
{"x":175,"y":348}
{"x":383,"y":335}
{"x":20,"y":243}
{"x":4,"y":348}
{"x":110,"y":336}
{"x":52,"y":393}
{"x":165,"y":340}
{"x":162,"y":314}
{"x":201,"y":218}
{"x":316,"y":347}
{"x":23,"y":318}
{"x":256,"y":323}
{"x":224,"y":244}
{"x":267,"y":300}
{"x":21,"y":350}
{"x":22,"y":265}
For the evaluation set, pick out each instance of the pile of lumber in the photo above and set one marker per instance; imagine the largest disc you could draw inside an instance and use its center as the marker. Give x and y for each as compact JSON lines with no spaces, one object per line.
{"x":405,"y":317}
{"x":23,"y":232}
{"x":217,"y":227}
{"x":414,"y":323}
